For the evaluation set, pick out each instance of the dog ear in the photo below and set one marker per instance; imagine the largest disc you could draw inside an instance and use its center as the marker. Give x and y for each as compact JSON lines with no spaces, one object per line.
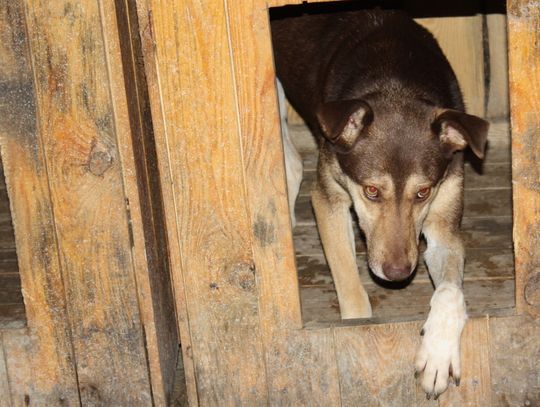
{"x":456,"y":130}
{"x":342,"y":121}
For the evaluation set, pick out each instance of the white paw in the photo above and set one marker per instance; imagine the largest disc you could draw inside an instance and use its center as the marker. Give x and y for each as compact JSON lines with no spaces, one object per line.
{"x":439,"y":355}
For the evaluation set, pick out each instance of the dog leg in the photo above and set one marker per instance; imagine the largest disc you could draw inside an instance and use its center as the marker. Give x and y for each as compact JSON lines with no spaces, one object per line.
{"x":293,"y":161}
{"x":335,"y":228}
{"x":439,"y":354}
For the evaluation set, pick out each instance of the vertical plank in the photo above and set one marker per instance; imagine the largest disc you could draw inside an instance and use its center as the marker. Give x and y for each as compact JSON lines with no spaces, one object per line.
{"x":524,"y":63}
{"x":78,"y":126}
{"x":142,"y":186}
{"x":20,"y":362}
{"x":200,"y":140}
{"x":475,"y":387}
{"x":152,"y":73}
{"x":5,"y":391}
{"x":461,"y":39}
{"x":497,"y":106}
{"x":515,"y":361}
{"x":291,"y":353}
{"x":53,"y":375}
{"x":376,"y":365}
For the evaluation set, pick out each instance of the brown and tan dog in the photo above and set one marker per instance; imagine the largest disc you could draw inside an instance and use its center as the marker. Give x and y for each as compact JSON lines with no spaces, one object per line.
{"x":379,"y":95}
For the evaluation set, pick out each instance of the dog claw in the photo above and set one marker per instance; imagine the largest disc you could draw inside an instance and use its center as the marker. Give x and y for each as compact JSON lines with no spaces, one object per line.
{"x":457,"y":381}
{"x":436,"y":397}
{"x":416,"y":374}
{"x":422,"y":332}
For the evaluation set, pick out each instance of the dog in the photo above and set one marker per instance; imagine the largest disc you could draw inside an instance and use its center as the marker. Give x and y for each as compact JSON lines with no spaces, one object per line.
{"x":381,"y":99}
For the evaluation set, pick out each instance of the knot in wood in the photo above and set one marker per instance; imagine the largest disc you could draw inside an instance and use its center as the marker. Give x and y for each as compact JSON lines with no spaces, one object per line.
{"x":532,"y":290}
{"x":243,"y":275}
{"x":99,"y":161}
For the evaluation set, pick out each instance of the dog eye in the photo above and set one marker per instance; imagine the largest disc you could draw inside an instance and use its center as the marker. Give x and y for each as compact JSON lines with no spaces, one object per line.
{"x":423,"y":193}
{"x":371,"y":192}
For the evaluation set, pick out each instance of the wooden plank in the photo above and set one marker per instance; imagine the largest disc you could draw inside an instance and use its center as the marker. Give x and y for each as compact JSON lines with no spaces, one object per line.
{"x":200,"y":131}
{"x":143,"y":191}
{"x":78,"y":124}
{"x":515,"y":361}
{"x":495,"y":297}
{"x":20,"y":358}
{"x":497,"y":104}
{"x":376,"y":365}
{"x":5,"y":391}
{"x":53,"y":374}
{"x":151,"y":69}
{"x":475,"y":387}
{"x":524,"y":62}
{"x":461,"y":38}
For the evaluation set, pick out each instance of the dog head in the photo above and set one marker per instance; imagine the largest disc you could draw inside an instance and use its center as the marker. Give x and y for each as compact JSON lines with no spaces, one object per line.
{"x":392,"y":161}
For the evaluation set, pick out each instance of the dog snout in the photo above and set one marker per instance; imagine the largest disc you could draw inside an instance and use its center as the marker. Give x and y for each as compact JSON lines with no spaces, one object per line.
{"x":396,"y":272}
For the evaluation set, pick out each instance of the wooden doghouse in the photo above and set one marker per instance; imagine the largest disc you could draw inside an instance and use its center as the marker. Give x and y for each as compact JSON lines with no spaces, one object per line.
{"x":140,"y":144}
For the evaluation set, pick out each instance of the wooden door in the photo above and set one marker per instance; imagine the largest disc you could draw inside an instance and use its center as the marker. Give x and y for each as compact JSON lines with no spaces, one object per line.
{"x":212,"y":92}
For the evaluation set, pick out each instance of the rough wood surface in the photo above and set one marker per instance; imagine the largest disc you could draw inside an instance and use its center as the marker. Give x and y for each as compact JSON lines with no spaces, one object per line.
{"x":79,"y":124}
{"x":53,"y":372}
{"x":212,"y":228}
{"x":515,"y":361}
{"x":524,"y":62}
{"x":461,"y":38}
{"x":497,"y":103}
{"x":475,"y":387}
{"x":143,"y":192}
{"x":376,"y":365}
{"x":5,"y":392}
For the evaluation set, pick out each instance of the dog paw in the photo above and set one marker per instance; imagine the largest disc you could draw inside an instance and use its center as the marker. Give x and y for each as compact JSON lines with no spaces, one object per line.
{"x":439,"y":355}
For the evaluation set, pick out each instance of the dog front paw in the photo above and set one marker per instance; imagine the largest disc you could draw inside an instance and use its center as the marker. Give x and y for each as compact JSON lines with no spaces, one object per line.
{"x":439,"y":353}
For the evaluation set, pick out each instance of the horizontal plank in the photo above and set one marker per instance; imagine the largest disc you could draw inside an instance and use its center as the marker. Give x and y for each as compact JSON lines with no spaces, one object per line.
{"x":320,"y":303}
{"x":12,"y":316}
{"x":10,"y":289}
{"x":481,"y":264}
{"x":477,"y":233}
{"x":478,"y":203}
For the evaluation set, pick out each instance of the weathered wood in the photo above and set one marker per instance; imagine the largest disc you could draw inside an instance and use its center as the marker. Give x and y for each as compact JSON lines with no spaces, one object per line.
{"x":376,"y":365}
{"x":497,"y":104}
{"x":495,"y":297}
{"x":5,"y":391}
{"x":212,"y":230}
{"x":515,"y":361}
{"x":524,"y":62}
{"x":475,"y":387}
{"x":79,"y":126}
{"x":54,"y":377}
{"x":22,"y":373}
{"x":143,"y":192}
{"x":151,"y":68}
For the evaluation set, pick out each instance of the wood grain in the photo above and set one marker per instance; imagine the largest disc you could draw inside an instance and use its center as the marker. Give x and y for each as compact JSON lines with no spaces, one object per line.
{"x":376,"y":365}
{"x":24,"y":384}
{"x":53,"y":372}
{"x":515,"y":361}
{"x":475,"y":387}
{"x":143,"y":193}
{"x":5,"y":391}
{"x":524,"y":62}
{"x":78,"y":124}
{"x":498,"y":104}
{"x":212,"y":228}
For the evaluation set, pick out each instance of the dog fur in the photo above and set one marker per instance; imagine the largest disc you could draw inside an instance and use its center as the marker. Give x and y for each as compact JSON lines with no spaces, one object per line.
{"x":384,"y":104}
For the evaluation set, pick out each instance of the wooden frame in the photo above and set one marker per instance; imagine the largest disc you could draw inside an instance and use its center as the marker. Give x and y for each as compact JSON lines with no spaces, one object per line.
{"x":78,"y":160}
{"x":234,"y":276}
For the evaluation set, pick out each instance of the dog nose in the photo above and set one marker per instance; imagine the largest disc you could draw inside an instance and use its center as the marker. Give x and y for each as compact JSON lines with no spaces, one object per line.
{"x":396,"y":272}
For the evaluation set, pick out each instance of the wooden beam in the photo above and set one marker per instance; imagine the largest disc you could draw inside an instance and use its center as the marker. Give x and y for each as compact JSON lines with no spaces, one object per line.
{"x":52,"y":370}
{"x":79,"y":124}
{"x":524,"y":62}
{"x":199,"y":142}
